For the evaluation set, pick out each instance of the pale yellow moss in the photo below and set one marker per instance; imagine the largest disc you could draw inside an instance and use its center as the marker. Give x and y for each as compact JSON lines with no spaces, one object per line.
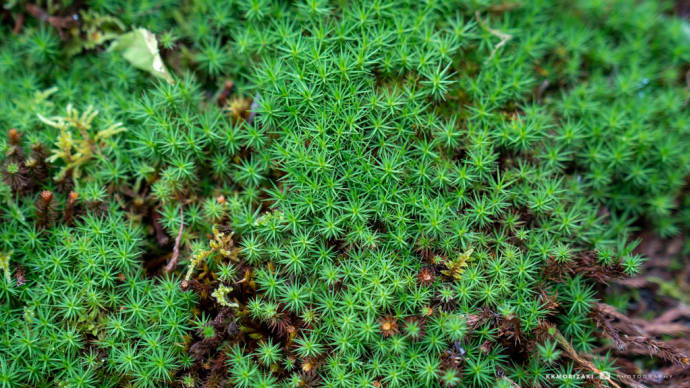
{"x":75,"y":145}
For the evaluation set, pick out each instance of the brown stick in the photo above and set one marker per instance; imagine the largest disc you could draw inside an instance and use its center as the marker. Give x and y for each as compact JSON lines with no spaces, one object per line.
{"x":673,"y":314}
{"x":580,"y":360}
{"x":176,"y":249}
{"x":630,"y":335}
{"x":542,"y":87}
{"x":59,"y":22}
{"x":18,"y":24}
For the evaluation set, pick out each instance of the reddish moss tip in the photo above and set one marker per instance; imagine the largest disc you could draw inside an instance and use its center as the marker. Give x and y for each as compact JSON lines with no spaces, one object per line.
{"x":46,"y":195}
{"x":14,"y":136}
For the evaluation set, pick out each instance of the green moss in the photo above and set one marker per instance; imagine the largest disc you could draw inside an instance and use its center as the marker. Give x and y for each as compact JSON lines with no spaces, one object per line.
{"x":77,"y":308}
{"x":392,"y":173}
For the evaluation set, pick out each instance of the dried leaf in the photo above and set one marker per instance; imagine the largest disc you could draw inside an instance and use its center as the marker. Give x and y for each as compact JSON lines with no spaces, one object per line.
{"x":140,"y":48}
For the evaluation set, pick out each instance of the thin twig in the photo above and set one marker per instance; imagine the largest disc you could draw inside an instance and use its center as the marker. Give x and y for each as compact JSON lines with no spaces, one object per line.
{"x":176,"y":249}
{"x":502,"y":35}
{"x":59,"y":22}
{"x":253,"y":108}
{"x":580,"y":360}
{"x":540,"y":91}
{"x":18,"y":23}
{"x":671,"y":315}
{"x":629,"y":334}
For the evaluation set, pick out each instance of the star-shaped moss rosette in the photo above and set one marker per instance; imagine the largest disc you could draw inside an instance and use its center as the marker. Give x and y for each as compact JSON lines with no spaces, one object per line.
{"x":367,"y":193}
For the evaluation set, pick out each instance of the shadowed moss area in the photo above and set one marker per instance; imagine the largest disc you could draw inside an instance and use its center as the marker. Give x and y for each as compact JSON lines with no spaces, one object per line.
{"x":334,"y":193}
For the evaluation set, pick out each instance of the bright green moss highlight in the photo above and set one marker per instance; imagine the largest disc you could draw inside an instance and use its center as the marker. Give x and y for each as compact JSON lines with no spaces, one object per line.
{"x":389,"y":171}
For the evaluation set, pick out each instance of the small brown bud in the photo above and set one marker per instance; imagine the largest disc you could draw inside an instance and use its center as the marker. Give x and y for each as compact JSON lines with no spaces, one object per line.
{"x":45,"y":212}
{"x":14,"y":136}
{"x":307,"y":366}
{"x":389,"y":326}
{"x":425,"y":276}
{"x":70,"y":208}
{"x":47,"y":196}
